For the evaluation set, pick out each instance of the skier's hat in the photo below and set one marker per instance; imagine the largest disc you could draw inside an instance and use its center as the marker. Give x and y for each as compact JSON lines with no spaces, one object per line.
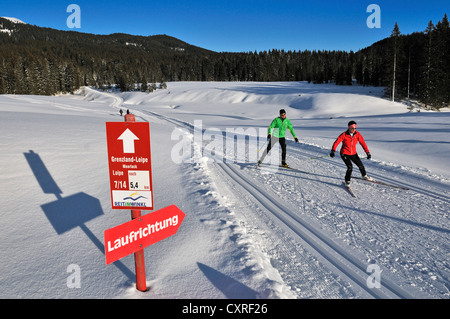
{"x":282,"y":111}
{"x":352,"y":124}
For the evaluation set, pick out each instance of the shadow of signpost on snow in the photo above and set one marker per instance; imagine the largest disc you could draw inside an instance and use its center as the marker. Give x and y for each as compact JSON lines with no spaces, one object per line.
{"x":230,"y":287}
{"x":69,"y":212}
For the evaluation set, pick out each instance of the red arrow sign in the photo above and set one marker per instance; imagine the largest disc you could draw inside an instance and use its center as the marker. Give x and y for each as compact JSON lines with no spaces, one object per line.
{"x":128,"y":139}
{"x":125,"y":239}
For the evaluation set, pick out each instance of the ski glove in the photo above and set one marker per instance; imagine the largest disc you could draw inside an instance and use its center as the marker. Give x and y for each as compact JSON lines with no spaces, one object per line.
{"x":369,"y":156}
{"x":296,"y":140}
{"x":332,"y":154}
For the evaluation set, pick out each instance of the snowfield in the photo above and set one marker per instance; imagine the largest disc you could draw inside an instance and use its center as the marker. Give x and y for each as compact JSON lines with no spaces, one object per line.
{"x":248,"y":233}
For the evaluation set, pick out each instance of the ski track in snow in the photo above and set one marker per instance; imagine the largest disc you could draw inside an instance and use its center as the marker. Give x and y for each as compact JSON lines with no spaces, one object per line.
{"x":303,"y":225}
{"x":320,"y":249}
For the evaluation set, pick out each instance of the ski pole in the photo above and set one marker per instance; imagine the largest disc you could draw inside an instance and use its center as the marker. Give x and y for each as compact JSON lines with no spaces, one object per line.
{"x":317,"y":157}
{"x":263,"y":145}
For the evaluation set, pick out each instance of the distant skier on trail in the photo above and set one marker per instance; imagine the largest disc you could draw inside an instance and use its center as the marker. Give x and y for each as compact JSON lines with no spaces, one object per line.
{"x":278,"y":128}
{"x":349,"y":139}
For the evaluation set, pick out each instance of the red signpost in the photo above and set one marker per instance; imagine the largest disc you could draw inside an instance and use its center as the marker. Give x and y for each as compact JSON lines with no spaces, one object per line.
{"x":130,"y":170}
{"x":129,"y":160}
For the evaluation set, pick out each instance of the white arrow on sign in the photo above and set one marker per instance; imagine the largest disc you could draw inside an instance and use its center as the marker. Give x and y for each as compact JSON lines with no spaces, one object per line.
{"x":128,"y":139}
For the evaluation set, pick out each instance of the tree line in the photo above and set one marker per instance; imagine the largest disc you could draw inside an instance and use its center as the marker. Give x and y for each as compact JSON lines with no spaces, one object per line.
{"x":415,"y":66}
{"x":45,"y":61}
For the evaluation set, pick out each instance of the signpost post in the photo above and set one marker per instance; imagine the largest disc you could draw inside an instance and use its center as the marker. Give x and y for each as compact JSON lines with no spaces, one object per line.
{"x":128,"y":139}
{"x":130,"y":176}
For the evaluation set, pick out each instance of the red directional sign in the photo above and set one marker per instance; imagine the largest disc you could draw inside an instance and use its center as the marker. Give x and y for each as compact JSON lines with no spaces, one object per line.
{"x":129,"y":159}
{"x":142,"y":232}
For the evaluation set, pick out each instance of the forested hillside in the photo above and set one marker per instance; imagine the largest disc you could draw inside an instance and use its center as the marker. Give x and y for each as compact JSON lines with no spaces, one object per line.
{"x":43,"y":61}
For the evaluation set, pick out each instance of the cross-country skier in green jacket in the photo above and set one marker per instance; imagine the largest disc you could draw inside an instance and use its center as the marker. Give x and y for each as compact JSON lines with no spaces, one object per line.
{"x":278,"y":128}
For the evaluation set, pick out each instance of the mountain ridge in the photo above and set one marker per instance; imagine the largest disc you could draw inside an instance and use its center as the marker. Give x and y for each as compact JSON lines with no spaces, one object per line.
{"x":45,"y":61}
{"x":24,"y":32}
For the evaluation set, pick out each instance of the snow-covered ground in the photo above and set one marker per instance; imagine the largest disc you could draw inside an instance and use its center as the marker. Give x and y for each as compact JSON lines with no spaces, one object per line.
{"x":248,"y":233}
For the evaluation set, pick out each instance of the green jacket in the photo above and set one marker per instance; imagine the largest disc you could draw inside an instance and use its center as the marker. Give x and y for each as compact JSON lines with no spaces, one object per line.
{"x":280,"y":127}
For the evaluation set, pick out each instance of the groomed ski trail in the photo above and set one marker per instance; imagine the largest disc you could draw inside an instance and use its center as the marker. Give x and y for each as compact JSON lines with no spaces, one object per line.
{"x":366,"y":232}
{"x":330,"y":249}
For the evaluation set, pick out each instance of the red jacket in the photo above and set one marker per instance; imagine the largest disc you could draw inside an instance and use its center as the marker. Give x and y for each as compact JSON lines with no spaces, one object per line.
{"x":349,"y":143}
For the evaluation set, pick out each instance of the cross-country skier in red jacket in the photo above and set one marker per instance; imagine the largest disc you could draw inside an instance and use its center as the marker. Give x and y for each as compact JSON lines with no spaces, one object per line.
{"x":349,"y":139}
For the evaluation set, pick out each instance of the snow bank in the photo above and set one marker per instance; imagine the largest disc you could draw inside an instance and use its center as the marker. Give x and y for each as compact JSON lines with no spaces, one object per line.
{"x":230,"y":245}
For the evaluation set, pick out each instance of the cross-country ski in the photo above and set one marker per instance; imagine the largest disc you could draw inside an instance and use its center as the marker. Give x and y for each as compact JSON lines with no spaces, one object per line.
{"x":349,"y":189}
{"x":280,"y":167}
{"x":382,"y":183}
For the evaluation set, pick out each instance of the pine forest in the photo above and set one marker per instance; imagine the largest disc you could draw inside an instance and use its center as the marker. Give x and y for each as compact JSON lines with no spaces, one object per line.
{"x":43,"y":61}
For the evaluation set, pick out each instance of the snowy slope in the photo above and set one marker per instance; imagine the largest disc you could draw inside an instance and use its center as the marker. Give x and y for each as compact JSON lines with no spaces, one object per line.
{"x":248,"y":233}
{"x":14,"y":20}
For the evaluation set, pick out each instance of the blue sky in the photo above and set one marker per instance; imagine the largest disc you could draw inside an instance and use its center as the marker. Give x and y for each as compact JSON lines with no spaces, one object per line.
{"x":238,"y":25}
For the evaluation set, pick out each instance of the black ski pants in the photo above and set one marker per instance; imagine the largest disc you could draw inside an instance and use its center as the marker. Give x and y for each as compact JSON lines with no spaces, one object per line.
{"x":273,"y":141}
{"x":348,"y":159}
